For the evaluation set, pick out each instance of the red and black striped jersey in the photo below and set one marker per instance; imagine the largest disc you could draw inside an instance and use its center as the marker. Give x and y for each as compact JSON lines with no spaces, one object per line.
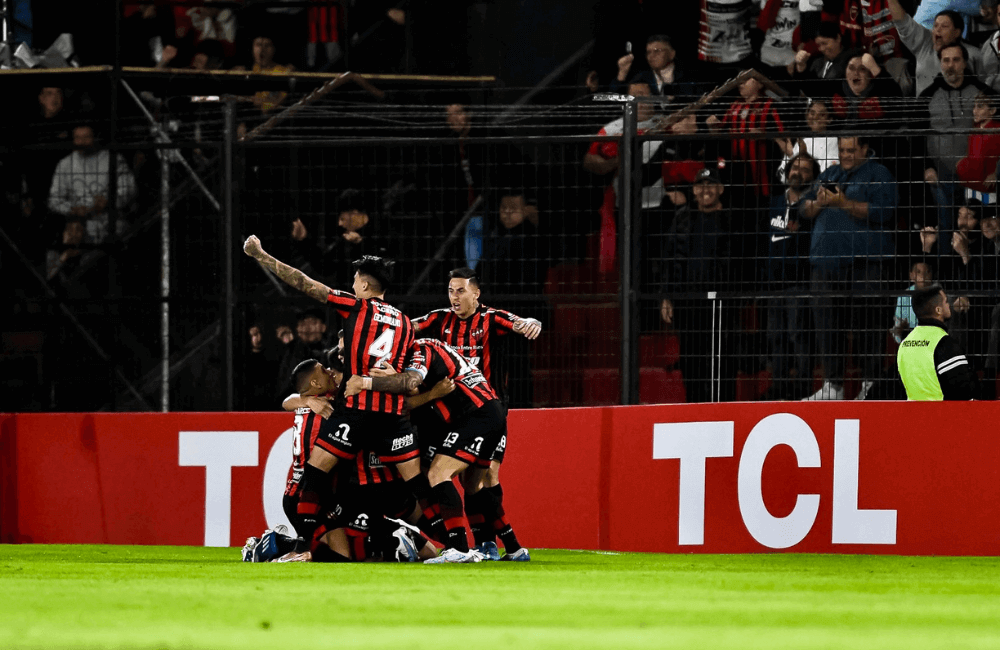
{"x":479,"y":338}
{"x":435,"y":360}
{"x":374,"y":331}
{"x":305,"y":429}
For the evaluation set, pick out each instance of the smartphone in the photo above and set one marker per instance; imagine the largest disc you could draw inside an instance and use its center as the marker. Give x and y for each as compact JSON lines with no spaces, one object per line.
{"x":830,"y":187}
{"x":628,"y":47}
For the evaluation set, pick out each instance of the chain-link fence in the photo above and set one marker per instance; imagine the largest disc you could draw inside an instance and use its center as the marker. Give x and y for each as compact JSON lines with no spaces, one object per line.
{"x":762,"y":257}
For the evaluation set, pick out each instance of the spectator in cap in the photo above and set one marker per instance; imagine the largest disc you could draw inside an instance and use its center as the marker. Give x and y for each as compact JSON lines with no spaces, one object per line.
{"x":695,"y":254}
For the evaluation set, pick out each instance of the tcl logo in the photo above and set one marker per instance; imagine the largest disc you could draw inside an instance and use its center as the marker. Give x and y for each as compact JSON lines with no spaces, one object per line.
{"x":693,"y":443}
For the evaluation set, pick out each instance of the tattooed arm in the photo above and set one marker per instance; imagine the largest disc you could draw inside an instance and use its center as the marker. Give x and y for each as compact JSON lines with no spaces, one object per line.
{"x":402,"y":382}
{"x":287,"y":274}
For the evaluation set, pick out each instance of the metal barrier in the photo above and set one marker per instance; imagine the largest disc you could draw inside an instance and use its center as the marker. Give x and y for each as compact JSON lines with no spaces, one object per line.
{"x":710,"y":290}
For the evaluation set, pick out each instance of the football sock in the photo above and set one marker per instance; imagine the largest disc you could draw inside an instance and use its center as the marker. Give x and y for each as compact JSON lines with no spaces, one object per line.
{"x":431,"y":522}
{"x":476,"y":508}
{"x":451,"y":510}
{"x":501,"y":526}
{"x":315,"y":484}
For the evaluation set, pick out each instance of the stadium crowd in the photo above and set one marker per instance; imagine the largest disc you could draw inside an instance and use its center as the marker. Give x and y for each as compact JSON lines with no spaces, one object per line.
{"x":862,"y":159}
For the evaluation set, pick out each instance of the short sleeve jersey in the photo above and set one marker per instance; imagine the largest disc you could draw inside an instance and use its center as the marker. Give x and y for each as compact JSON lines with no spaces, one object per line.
{"x":478,"y":338}
{"x":434,"y":361}
{"x":374,"y":331}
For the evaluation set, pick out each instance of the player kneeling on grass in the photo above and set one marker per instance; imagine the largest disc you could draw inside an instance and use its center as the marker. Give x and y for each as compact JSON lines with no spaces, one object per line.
{"x":474,"y":420}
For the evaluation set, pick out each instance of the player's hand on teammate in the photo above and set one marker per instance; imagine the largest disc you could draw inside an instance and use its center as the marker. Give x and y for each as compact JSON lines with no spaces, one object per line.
{"x":320,"y":406}
{"x":354,"y":385}
{"x":442,"y":388}
{"x":252,"y":247}
{"x":382,"y":369}
{"x":529,"y":327}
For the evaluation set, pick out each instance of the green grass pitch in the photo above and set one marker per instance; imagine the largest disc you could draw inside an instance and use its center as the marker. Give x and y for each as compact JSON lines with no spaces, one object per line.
{"x":178,"y":597}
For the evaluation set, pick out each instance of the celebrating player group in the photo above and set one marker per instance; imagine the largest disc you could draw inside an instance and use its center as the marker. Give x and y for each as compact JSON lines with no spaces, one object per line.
{"x":386,"y":422}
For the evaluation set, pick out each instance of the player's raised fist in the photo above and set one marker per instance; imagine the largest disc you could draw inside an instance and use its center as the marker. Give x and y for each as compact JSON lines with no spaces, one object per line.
{"x":252,"y":246}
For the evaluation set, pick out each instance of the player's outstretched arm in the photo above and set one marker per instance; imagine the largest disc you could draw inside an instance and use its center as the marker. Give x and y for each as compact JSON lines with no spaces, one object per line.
{"x":289,"y":275}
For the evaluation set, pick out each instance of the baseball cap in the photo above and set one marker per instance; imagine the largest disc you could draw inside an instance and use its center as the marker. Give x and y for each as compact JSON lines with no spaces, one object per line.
{"x":707,"y":176}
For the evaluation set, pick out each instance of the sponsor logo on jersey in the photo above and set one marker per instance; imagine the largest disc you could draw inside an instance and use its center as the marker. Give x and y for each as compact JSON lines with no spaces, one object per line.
{"x":400,"y":443}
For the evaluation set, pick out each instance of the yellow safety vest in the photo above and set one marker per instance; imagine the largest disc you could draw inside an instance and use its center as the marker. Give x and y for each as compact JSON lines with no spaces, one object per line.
{"x":915,"y":360}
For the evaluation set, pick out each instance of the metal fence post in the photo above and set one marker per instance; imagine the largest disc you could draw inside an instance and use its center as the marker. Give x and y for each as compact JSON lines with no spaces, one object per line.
{"x":228,"y":241}
{"x":628,"y":202}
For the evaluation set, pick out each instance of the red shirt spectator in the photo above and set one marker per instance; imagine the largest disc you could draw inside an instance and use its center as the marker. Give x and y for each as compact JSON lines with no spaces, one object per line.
{"x":977,"y":170}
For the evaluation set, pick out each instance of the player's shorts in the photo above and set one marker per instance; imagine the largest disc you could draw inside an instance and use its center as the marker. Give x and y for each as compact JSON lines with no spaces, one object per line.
{"x":348,"y":431}
{"x":475,"y":437}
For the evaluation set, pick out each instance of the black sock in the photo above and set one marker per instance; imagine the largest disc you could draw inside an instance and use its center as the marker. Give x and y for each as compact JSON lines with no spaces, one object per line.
{"x":451,"y":511}
{"x":315,"y":484}
{"x":501,"y":526}
{"x":477,"y":506}
{"x":431,"y":521}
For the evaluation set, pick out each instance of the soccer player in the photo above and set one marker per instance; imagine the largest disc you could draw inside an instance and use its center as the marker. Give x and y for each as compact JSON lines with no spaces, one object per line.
{"x":316,"y":386}
{"x":474,"y":423}
{"x":477,"y":332}
{"x":375,"y":334}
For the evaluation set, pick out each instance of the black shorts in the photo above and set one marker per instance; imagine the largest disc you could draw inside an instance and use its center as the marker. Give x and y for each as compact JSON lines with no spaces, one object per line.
{"x":476,"y":437}
{"x":348,"y":431}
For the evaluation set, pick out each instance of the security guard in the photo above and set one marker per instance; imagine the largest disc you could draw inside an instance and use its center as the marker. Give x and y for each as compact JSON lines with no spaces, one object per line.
{"x":930,"y":364}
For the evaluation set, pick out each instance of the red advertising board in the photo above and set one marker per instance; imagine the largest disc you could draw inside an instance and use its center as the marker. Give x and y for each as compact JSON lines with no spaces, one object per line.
{"x":836,"y":477}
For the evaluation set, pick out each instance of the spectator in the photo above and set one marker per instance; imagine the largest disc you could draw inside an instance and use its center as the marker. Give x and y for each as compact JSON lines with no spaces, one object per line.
{"x":830,"y":65}
{"x":207,"y":23}
{"x":80,"y":185}
{"x":852,"y":212}
{"x":868,"y":25}
{"x":752,"y":113}
{"x":259,"y":371}
{"x":64,"y":260}
{"x":905,"y":319}
{"x":665,"y":76}
{"x":978,"y":170}
{"x":284,"y":334}
{"x":358,"y":234}
{"x":926,"y":44}
{"x":48,"y":126}
{"x":602,"y":159}
{"x":264,"y":62}
{"x":310,"y":341}
{"x":696,"y":259}
{"x":990,"y":50}
{"x":983,"y":28}
{"x":512,"y":262}
{"x":148,"y":36}
{"x":822,"y":147}
{"x":950,"y":100}
{"x":867,"y":99}
{"x":788,"y":273}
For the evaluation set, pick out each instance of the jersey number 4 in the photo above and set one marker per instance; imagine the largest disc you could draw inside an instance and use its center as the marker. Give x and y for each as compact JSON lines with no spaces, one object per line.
{"x":382,"y":346}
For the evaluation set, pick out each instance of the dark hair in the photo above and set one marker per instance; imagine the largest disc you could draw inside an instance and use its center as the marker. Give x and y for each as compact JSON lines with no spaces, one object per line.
{"x":331,"y":359}
{"x":829,"y":29}
{"x":659,"y":38}
{"x":863,"y":140}
{"x":957,"y":20}
{"x":925,"y":300}
{"x":300,"y":376}
{"x":805,"y":155}
{"x":350,"y":199}
{"x":921,"y":260}
{"x":313,"y":312}
{"x":965,"y":52}
{"x":991,"y":99}
{"x":377,"y":269}
{"x":465,"y":273}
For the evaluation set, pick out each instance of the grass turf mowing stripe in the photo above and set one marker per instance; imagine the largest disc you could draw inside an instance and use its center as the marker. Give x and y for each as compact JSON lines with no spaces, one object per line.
{"x":189,"y":597}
